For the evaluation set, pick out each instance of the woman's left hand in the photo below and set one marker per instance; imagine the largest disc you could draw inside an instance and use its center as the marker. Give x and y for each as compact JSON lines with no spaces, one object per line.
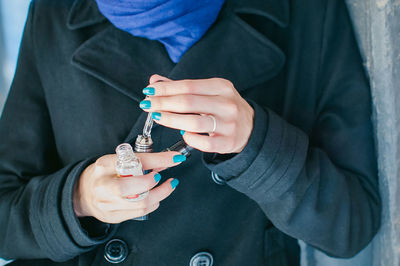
{"x":210,"y":106}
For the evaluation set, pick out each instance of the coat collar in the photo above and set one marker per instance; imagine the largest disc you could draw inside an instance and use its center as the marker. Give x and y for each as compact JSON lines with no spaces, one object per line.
{"x":85,"y":13}
{"x":231,"y":49}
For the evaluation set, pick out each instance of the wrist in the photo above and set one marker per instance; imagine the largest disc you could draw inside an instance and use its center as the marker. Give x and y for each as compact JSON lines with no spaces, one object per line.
{"x":77,"y":201}
{"x":248,"y":132}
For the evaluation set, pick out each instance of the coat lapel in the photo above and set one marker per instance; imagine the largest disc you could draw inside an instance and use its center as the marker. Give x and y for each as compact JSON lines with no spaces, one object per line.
{"x":122,"y":61}
{"x":277,"y":11}
{"x":234,"y":51}
{"x":231,"y":49}
{"x":84,"y":13}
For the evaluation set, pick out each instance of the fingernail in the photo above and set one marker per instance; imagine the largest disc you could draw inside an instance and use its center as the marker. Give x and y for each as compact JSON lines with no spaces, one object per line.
{"x":157,"y":177}
{"x":179,"y":158}
{"x":145,"y":104}
{"x":149,"y":91}
{"x":156,"y":116}
{"x":174,"y":183}
{"x":182,"y":132}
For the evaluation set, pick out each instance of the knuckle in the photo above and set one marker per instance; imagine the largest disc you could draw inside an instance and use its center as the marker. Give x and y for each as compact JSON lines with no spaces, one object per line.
{"x":148,"y":183}
{"x":162,"y":90}
{"x":187,"y":86}
{"x":151,"y":208}
{"x":154,"y":77}
{"x":191,"y":88}
{"x":103,"y":218}
{"x":198,"y":124}
{"x":219,"y":81}
{"x":235,"y":127}
{"x":209,"y":145}
{"x":186,"y":101}
{"x":157,"y":103}
{"x":166,"y":119}
{"x":100,"y":213}
{"x":231,"y":128}
{"x":100,"y":164}
{"x":184,"y":83}
{"x":228,"y":84}
{"x":142,"y":204}
{"x":142,"y":212}
{"x":225,"y":85}
{"x":111,"y":219}
{"x":231,"y":108}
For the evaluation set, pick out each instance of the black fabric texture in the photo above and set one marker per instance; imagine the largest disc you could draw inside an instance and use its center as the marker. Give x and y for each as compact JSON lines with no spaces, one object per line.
{"x":308,"y":171}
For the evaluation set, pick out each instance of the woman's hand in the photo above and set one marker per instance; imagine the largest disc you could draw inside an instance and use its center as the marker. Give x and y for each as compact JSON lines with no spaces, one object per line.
{"x":192,"y":106}
{"x":101,"y":193}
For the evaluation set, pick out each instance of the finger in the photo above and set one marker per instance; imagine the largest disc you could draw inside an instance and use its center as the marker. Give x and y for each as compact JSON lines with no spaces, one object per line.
{"x":157,"y":78}
{"x":214,"y":143}
{"x":194,"y":123}
{"x":155,"y":195}
{"x":213,"y":86}
{"x":189,"y":104}
{"x":142,"y":212}
{"x":105,"y":165}
{"x":160,"y":160}
{"x":134,"y":185}
{"x":119,"y":216}
{"x":162,"y":192}
{"x":160,"y":169}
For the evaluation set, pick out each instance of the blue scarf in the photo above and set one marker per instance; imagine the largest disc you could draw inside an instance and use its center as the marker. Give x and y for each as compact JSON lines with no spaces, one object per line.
{"x":177,"y":24}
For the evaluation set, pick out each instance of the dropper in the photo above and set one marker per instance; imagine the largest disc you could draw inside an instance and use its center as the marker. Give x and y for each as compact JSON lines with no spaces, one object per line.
{"x":148,"y":126}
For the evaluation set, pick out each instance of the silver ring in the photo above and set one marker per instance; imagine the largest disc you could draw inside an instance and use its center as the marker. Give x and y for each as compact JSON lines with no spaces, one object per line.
{"x":215,"y":123}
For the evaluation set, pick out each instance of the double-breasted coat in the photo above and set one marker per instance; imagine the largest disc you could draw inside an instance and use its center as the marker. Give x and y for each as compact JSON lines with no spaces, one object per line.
{"x":308,"y":171}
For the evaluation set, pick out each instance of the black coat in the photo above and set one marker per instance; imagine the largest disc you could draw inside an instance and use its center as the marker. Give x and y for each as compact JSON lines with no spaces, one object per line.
{"x":308,"y":171}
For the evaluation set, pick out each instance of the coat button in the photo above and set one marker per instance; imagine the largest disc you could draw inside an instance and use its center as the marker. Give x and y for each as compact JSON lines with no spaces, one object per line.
{"x":116,"y":251}
{"x":217,"y":180}
{"x":202,"y":259}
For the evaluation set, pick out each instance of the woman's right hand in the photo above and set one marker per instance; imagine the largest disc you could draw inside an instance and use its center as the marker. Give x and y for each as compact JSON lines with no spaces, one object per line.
{"x":101,"y":193}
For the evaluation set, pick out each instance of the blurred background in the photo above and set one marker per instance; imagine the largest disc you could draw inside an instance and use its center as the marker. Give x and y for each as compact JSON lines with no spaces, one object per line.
{"x":12,"y":19}
{"x":377,"y":25}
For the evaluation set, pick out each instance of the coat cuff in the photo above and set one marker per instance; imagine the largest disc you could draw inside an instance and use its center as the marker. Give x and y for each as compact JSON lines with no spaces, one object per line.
{"x":52,"y":217}
{"x":278,"y":162}
{"x":230,"y":166}
{"x":88,"y":231}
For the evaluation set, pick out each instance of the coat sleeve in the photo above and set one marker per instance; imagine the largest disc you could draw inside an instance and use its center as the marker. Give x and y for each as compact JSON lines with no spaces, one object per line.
{"x":36,"y":209}
{"x":321,"y":188}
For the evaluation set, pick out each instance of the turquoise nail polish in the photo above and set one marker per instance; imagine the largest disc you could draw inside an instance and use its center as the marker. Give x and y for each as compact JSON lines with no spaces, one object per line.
{"x":157,"y":177}
{"x":145,"y":104}
{"x":156,"y":116}
{"x":149,"y":91}
{"x":179,"y":158}
{"x":174,"y":183}
{"x":182,"y":132}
